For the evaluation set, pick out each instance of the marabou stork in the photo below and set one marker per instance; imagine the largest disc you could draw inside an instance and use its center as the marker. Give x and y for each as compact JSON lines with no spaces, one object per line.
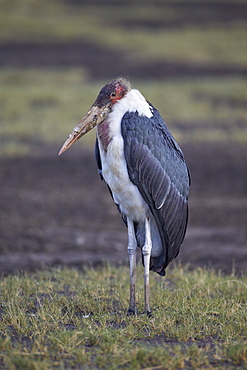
{"x":146,"y":174}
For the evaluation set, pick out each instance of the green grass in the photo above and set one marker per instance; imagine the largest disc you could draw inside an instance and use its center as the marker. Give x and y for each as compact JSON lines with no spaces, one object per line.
{"x":40,"y":106}
{"x":63,"y":318}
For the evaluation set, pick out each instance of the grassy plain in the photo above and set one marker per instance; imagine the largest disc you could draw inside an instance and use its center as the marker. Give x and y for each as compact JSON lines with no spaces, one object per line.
{"x":39,"y":106}
{"x":63,"y":318}
{"x":194,"y":34}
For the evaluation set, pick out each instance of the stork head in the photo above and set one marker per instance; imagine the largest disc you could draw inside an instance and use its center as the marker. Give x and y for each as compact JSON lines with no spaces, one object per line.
{"x":108,"y":96}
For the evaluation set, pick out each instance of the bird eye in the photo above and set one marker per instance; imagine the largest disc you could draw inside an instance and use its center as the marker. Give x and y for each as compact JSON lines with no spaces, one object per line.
{"x":113,"y":94}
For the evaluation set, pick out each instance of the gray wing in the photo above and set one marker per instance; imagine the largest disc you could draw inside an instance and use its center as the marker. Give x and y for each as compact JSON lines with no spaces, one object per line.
{"x":157,"y":167}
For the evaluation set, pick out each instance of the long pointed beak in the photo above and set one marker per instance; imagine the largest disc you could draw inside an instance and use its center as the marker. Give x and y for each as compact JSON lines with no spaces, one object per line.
{"x":94,"y":116}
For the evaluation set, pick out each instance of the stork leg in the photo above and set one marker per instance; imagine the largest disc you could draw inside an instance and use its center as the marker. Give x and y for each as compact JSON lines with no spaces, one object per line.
{"x":132,"y":245}
{"x":146,"y":251}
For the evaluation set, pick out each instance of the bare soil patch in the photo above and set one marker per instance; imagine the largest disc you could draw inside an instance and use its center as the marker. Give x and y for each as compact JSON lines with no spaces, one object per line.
{"x":102,"y":62}
{"x":56,"y":211}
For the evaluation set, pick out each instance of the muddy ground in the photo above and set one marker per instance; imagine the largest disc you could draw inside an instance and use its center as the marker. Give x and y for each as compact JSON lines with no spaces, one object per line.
{"x":56,"y":210}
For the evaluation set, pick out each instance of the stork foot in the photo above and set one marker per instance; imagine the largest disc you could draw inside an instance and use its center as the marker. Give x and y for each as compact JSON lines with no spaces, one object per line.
{"x":131,"y":312}
{"x":149,"y":314}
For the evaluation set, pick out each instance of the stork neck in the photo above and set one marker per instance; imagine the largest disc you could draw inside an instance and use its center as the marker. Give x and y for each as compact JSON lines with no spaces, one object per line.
{"x":103,"y":133}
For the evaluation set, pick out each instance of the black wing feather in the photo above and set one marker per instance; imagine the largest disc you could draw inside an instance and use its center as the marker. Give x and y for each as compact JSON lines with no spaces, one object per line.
{"x":157,"y":167}
{"x":98,"y":159}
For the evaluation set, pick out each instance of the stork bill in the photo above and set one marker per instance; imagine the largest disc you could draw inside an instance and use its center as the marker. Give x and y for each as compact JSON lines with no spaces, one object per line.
{"x":146,"y":174}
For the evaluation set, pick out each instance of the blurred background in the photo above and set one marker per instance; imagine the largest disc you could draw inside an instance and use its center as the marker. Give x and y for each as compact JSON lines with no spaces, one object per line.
{"x":189,"y":58}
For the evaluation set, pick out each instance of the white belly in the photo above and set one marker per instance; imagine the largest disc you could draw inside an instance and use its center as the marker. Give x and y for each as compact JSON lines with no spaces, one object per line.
{"x":115,"y":173}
